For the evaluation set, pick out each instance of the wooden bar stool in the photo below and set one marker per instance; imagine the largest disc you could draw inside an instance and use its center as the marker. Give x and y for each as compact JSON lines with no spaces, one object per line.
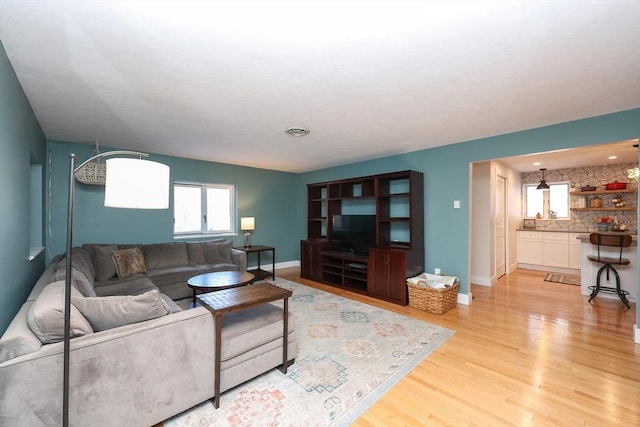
{"x":618,"y":241}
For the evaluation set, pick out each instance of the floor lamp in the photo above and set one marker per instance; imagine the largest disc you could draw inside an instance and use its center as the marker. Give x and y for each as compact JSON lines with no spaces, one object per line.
{"x":130,"y":183}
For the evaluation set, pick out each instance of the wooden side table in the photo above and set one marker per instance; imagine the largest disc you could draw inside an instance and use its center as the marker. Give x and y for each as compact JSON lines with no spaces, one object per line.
{"x":228,"y":300}
{"x":259,"y":272}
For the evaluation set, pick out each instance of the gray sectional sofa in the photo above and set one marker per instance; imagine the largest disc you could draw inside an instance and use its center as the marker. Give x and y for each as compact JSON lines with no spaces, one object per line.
{"x":136,"y":357}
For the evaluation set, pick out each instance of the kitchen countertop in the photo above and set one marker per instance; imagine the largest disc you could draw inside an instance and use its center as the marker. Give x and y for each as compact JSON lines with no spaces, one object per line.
{"x":586,"y":232}
{"x":585,"y":237}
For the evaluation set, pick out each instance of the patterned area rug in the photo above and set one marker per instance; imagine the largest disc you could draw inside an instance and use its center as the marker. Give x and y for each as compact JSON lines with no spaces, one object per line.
{"x":569,"y":279}
{"x":349,"y":355}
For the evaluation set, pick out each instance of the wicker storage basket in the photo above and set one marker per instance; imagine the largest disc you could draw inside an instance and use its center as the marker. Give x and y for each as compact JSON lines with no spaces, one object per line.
{"x":432,"y":300}
{"x":93,"y":173}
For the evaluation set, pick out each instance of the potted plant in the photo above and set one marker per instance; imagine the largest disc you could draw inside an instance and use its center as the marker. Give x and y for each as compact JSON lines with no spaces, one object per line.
{"x":603,"y":222}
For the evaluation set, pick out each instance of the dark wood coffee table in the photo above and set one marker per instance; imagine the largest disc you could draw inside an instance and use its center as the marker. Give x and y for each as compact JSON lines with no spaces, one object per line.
{"x":217,"y":281}
{"x":226,"y":301}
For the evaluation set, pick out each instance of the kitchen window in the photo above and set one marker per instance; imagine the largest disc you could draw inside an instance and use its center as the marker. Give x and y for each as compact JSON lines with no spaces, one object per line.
{"x":547,"y":204}
{"x":203,"y":209}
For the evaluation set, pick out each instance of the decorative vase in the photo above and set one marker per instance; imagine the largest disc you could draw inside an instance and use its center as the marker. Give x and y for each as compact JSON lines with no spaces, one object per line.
{"x":603,"y":226}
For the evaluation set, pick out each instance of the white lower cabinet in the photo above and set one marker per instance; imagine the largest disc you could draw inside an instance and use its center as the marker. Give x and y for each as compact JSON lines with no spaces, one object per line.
{"x":575,"y":251}
{"x":555,"y":249}
{"x":530,"y":247}
{"x":549,"y":249}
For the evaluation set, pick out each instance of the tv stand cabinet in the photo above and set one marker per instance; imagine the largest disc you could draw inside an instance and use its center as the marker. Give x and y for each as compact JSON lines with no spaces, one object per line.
{"x":345,"y":269}
{"x":397,"y":201}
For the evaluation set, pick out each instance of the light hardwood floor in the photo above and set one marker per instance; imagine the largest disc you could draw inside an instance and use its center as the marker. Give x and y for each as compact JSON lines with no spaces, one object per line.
{"x":525,"y":352}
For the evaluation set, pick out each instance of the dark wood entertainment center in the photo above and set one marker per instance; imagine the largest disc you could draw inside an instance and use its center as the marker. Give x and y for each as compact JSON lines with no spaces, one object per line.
{"x":396,"y":199}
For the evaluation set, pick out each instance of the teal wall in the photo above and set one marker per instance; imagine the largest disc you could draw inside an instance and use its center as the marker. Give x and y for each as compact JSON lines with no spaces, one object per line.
{"x":446,"y":175}
{"x":267,"y":195}
{"x":276,"y":199}
{"x":21,"y":139}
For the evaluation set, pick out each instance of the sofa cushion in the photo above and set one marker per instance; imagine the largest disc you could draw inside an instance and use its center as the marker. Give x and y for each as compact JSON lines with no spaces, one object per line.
{"x":78,"y":280}
{"x":173,"y":306}
{"x":168,"y":276}
{"x":81,"y":260}
{"x":244,"y":330}
{"x":195,"y":251}
{"x":128,"y":262}
{"x":164,"y":255}
{"x":103,"y":262}
{"x":218,"y":252}
{"x":46,"y":315}
{"x":210,"y":268}
{"x":111,"y":312}
{"x":134,"y":285}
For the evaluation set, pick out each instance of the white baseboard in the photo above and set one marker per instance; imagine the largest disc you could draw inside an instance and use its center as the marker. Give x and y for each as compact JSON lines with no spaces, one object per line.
{"x":636,"y":334}
{"x":512,"y":267}
{"x":267,"y":266}
{"x":465,"y":299}
{"x":481,"y":280}
{"x":548,"y":269}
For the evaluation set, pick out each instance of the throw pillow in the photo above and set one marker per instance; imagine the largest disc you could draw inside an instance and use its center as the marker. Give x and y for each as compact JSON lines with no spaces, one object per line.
{"x":218,"y":252}
{"x":195,"y":251}
{"x":103,"y":263}
{"x":165,"y":255}
{"x":128,"y":262}
{"x":46,"y":315}
{"x":114,"y":311}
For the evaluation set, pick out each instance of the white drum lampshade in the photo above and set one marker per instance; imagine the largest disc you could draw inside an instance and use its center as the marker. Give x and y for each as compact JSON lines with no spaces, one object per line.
{"x":136,"y":184}
{"x":247,"y":223}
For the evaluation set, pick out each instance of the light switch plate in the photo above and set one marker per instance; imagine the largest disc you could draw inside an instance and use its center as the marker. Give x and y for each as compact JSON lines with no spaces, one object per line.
{"x":456,"y":204}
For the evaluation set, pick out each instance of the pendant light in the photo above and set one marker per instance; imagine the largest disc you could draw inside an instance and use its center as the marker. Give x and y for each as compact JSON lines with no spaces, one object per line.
{"x":543,"y":183}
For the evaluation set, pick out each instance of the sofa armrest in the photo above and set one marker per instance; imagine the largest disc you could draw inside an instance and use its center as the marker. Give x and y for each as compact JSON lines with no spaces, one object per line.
{"x":155,"y":361}
{"x":239,"y":258}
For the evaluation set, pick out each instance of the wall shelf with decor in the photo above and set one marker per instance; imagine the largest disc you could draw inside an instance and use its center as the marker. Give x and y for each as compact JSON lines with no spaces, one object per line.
{"x":603,"y":209}
{"x":396,"y":200}
{"x":606,"y":202}
{"x":587,"y":193}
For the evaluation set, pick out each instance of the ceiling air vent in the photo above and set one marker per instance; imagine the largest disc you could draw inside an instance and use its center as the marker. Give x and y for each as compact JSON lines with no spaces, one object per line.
{"x":297,"y":131}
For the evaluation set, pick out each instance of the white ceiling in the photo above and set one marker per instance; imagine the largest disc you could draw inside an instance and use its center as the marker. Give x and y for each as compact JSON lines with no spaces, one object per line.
{"x":220,"y":81}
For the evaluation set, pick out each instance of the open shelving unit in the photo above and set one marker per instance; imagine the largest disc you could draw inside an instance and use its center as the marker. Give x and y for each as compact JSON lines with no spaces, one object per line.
{"x":598,"y":193}
{"x":396,"y":200}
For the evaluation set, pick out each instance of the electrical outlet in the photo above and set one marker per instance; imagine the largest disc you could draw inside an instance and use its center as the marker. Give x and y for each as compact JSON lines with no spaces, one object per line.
{"x":436,"y":271}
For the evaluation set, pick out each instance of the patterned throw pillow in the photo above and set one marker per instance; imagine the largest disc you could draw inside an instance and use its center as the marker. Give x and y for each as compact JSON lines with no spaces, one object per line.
{"x":128,"y":262}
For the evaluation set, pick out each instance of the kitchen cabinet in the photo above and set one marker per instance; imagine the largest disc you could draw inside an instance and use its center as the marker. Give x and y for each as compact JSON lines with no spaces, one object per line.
{"x":387,"y":275}
{"x":555,"y":249}
{"x":530,"y":247}
{"x":575,"y":251}
{"x":549,"y":249}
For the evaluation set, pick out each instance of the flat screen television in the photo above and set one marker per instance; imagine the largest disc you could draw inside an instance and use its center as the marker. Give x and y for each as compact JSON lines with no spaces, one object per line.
{"x":353,"y":233}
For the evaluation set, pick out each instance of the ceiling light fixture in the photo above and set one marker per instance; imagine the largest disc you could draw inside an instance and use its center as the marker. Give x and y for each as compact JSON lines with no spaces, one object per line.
{"x":297,"y":131}
{"x":543,"y":183}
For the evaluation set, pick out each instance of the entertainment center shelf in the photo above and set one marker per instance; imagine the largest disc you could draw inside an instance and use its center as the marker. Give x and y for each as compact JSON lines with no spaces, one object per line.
{"x":345,"y":269}
{"x":387,"y":253}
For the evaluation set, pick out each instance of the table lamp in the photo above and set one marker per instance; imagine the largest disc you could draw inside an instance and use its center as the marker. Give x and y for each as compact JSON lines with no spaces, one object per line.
{"x":247,"y":224}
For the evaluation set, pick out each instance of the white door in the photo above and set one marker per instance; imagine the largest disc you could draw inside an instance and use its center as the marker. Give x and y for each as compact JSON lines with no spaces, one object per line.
{"x":500,"y":226}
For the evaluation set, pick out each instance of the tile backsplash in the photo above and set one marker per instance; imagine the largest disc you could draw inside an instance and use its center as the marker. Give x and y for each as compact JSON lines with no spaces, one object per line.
{"x":596,"y":176}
